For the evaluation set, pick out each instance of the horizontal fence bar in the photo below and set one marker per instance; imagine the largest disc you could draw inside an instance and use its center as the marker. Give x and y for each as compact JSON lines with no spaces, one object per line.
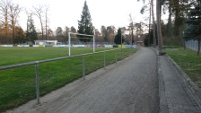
{"x":80,"y":34}
{"x":49,"y":60}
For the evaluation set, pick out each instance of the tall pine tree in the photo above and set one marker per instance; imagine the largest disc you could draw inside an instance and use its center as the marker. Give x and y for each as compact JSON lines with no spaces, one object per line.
{"x":31,"y":34}
{"x":119,"y":37}
{"x":193,"y":25}
{"x":85,"y":25}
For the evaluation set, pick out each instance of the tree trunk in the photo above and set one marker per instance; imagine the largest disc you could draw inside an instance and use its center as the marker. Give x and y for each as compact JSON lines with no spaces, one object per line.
{"x":149,"y":39}
{"x":153,"y":19}
{"x":27,"y":29}
{"x":132,"y":39}
{"x":6,"y":23}
{"x":198,"y":52}
{"x":160,"y":39}
{"x":41,"y":24}
{"x":13,"y":27}
{"x":184,"y":44}
{"x":177,"y":19}
{"x":46,"y":24}
{"x":170,"y":25}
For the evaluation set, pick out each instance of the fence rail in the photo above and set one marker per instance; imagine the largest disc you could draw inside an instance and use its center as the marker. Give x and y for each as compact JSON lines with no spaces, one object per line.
{"x":36,"y":63}
{"x":50,"y":60}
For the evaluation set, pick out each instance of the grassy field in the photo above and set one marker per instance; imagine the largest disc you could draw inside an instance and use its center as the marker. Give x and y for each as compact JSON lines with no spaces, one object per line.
{"x":20,"y":55}
{"x":188,"y":61}
{"x":17,"y":85}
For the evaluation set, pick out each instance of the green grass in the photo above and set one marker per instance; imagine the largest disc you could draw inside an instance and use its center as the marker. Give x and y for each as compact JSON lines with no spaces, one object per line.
{"x":166,"y":47}
{"x":17,"y":85}
{"x":188,"y":61}
{"x":20,"y":55}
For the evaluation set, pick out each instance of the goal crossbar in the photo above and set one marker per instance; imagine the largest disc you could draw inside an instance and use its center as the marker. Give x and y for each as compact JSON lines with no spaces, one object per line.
{"x":69,"y":41}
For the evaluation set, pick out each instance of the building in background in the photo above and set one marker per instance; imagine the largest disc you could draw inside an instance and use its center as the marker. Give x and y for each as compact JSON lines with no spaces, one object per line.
{"x":46,"y":43}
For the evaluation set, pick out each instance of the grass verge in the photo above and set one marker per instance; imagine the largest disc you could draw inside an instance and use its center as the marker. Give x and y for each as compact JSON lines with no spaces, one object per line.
{"x":188,"y":61}
{"x":17,"y":85}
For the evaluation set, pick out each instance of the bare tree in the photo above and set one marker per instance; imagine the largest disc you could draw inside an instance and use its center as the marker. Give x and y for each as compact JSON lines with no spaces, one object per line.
{"x":46,"y":21}
{"x":111,"y":31}
{"x":104,"y":33}
{"x":14,"y":10}
{"x":59,"y":34}
{"x":29,"y":15}
{"x":65,"y":33}
{"x":139,"y":28}
{"x":38,"y":11}
{"x":98,"y":36}
{"x":4,"y":8}
{"x":50,"y":34}
{"x":159,"y":33}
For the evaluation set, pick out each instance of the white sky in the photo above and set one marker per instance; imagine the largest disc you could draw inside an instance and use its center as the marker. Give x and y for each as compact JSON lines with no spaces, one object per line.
{"x":67,"y":12}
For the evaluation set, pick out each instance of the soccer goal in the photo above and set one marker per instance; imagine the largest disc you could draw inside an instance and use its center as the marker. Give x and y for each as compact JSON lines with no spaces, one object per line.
{"x":84,"y":37}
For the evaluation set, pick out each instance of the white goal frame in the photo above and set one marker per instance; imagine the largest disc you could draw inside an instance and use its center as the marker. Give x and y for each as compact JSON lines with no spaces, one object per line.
{"x":69,"y":41}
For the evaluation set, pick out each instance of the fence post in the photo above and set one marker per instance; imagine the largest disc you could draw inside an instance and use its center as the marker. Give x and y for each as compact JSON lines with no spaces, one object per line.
{"x":116,"y":57}
{"x":104,"y":58}
{"x":121,"y":53}
{"x":83,"y":67}
{"x":37,"y":84}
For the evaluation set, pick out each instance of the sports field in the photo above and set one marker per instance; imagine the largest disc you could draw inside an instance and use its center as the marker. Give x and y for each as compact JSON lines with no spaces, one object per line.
{"x":20,"y":55}
{"x":17,"y":85}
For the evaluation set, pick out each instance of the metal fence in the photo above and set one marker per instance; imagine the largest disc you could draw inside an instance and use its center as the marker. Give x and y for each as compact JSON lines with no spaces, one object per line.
{"x":192,"y":44}
{"x":83,"y":56}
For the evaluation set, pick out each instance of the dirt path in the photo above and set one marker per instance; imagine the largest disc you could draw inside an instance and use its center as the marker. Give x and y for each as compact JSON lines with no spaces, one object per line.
{"x":130,"y":86}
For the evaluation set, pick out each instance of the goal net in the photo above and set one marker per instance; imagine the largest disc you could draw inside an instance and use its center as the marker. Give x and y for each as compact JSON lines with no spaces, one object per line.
{"x":80,"y":40}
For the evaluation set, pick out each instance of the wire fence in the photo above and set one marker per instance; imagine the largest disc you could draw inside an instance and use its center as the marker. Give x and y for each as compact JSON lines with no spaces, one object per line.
{"x":20,"y":83}
{"x":192,"y":44}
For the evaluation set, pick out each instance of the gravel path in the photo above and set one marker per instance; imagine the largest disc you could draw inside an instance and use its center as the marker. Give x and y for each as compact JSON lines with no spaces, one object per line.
{"x":130,"y":86}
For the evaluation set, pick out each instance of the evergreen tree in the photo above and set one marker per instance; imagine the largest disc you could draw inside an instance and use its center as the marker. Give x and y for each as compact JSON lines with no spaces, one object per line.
{"x":19,"y":36}
{"x":193,"y":25}
{"x":31,"y":34}
{"x":118,"y":37}
{"x":85,"y":25}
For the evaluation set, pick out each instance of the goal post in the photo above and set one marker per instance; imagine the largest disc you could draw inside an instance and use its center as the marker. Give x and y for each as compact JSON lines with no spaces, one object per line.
{"x":69,"y":41}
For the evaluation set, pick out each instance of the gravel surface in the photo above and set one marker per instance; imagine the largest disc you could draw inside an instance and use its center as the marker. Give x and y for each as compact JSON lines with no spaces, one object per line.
{"x":130,"y":86}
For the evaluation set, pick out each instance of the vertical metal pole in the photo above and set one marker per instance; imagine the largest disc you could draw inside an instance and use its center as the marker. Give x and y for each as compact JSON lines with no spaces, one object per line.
{"x":83,"y":67}
{"x":121,"y":53}
{"x":37,"y":84}
{"x":69,"y":43}
{"x":94,"y":42}
{"x":116,"y":57}
{"x":104,"y":59}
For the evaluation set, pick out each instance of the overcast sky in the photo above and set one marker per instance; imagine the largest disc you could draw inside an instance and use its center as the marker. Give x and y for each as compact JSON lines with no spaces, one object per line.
{"x":67,"y":12}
